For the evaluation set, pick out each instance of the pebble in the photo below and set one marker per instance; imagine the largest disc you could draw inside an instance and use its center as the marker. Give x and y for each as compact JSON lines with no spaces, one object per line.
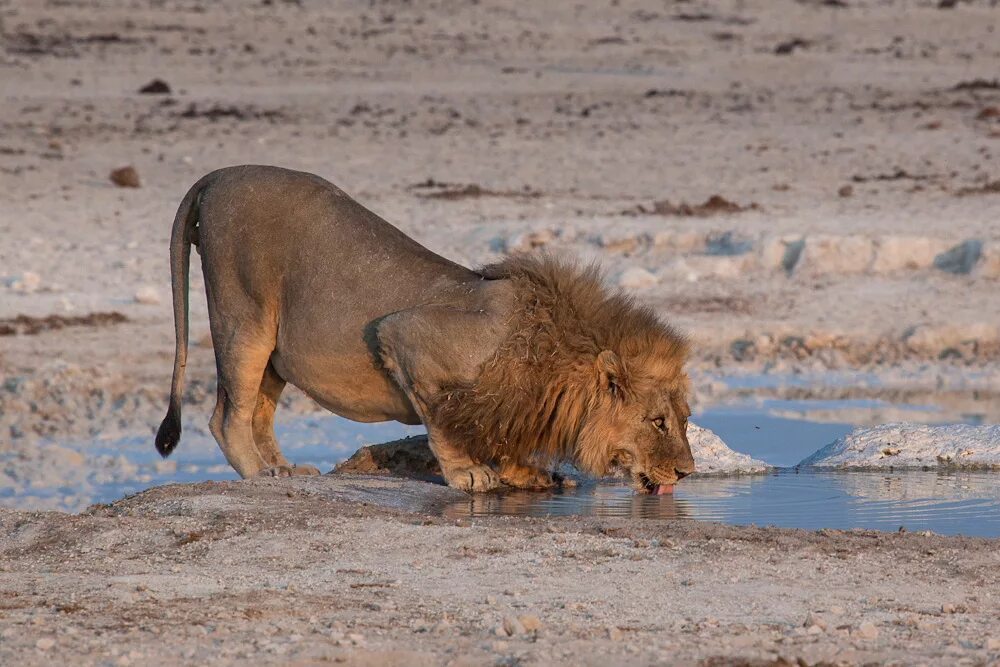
{"x":993,"y":644}
{"x":866,"y":631}
{"x":513,"y":626}
{"x":530,"y":622}
{"x":156,"y":87}
{"x":813,"y":619}
{"x":948,"y":608}
{"x":615,"y":634}
{"x":636,"y":277}
{"x":125,"y":177}
{"x":147,"y":295}
{"x":45,"y":643}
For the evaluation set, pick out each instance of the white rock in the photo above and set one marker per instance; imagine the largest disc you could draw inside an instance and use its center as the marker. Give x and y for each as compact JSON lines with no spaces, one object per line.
{"x":712,"y":456}
{"x":989,"y":263}
{"x":147,"y":295}
{"x":866,"y":631}
{"x":513,"y":626}
{"x":528,"y":241}
{"x":696,"y":267}
{"x":824,"y":255}
{"x":636,"y":278}
{"x":781,"y":253}
{"x":902,"y":253}
{"x":905,"y":445}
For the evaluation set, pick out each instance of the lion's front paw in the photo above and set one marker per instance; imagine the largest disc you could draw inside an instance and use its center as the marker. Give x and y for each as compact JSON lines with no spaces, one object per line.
{"x":474,"y":478}
{"x":289,"y":471}
{"x":523,"y":477}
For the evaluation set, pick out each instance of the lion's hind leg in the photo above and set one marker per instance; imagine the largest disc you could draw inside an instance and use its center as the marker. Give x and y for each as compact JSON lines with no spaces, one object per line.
{"x":271,"y":386}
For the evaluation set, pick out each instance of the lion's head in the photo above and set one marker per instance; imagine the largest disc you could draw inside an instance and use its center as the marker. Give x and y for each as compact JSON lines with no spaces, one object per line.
{"x":584,"y":376}
{"x":637,"y":423}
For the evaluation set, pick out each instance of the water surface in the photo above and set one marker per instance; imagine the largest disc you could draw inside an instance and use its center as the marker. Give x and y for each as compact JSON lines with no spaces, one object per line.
{"x":948,"y":503}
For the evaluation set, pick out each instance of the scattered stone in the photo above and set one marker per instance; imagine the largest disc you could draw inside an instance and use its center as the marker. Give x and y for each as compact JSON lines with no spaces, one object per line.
{"x":513,"y":626}
{"x":45,"y":643}
{"x":530,"y":622}
{"x":823,"y":255}
{"x":866,"y":630}
{"x":782,"y":253}
{"x":899,"y":253}
{"x":147,"y":295}
{"x":528,"y":241}
{"x":960,"y":259}
{"x":636,"y":278}
{"x":156,"y":87}
{"x":846,"y":191}
{"x":126,"y":177}
{"x":615,"y":634}
{"x":813,"y":619}
{"x":789,"y":47}
{"x":948,"y":608}
{"x":992,"y":644}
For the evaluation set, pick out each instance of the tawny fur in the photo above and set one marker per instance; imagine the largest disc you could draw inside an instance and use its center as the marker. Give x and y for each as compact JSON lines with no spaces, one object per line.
{"x":531,"y":399}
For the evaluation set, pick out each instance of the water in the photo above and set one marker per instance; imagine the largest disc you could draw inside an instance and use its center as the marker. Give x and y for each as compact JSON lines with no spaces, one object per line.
{"x":948,"y":503}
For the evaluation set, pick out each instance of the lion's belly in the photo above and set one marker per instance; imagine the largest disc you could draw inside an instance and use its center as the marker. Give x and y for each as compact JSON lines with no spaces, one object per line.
{"x":346,"y":384}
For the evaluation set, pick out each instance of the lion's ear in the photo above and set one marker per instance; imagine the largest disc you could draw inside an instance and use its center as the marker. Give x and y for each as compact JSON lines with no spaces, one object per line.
{"x":611,"y":372}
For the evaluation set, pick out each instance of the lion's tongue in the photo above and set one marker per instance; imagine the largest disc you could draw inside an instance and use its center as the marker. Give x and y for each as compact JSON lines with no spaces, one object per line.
{"x":663,"y":489}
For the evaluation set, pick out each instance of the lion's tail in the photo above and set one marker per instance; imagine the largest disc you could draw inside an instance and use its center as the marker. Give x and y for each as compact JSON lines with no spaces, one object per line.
{"x":184,"y":234}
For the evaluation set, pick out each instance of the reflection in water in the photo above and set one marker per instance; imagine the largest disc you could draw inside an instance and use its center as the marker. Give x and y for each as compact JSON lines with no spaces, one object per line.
{"x":954,"y":502}
{"x":593,"y":499}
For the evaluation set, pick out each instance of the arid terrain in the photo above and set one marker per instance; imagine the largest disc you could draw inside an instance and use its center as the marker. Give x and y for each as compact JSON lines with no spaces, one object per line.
{"x":809,"y":188}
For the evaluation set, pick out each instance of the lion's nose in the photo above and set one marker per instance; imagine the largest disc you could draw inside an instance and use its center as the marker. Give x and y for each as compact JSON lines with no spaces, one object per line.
{"x":681,"y":474}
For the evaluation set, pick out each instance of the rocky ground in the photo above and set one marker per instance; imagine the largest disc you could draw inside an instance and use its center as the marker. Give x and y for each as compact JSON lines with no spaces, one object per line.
{"x":809,"y":188}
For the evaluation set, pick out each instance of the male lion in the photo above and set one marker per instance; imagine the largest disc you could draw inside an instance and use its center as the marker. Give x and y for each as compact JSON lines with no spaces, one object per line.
{"x":511,"y":368}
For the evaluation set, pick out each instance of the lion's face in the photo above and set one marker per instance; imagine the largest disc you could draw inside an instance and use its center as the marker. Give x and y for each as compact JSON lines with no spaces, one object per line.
{"x":638,"y":425}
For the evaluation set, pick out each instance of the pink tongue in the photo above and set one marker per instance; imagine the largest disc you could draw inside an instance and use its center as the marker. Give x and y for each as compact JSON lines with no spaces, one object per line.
{"x":663,"y":489}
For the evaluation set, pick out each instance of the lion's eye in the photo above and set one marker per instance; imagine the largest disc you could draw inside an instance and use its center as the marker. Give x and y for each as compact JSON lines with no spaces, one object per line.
{"x":659,"y":423}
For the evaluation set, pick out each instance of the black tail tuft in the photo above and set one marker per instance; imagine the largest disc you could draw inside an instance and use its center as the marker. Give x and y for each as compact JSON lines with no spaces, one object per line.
{"x":168,"y":434}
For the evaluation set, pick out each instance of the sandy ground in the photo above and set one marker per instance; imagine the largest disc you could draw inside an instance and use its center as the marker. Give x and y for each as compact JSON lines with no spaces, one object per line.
{"x":326,"y":570}
{"x":808,"y":188}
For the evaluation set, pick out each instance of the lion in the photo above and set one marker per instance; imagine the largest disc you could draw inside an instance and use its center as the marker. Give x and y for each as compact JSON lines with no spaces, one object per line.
{"x":511,"y":368}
